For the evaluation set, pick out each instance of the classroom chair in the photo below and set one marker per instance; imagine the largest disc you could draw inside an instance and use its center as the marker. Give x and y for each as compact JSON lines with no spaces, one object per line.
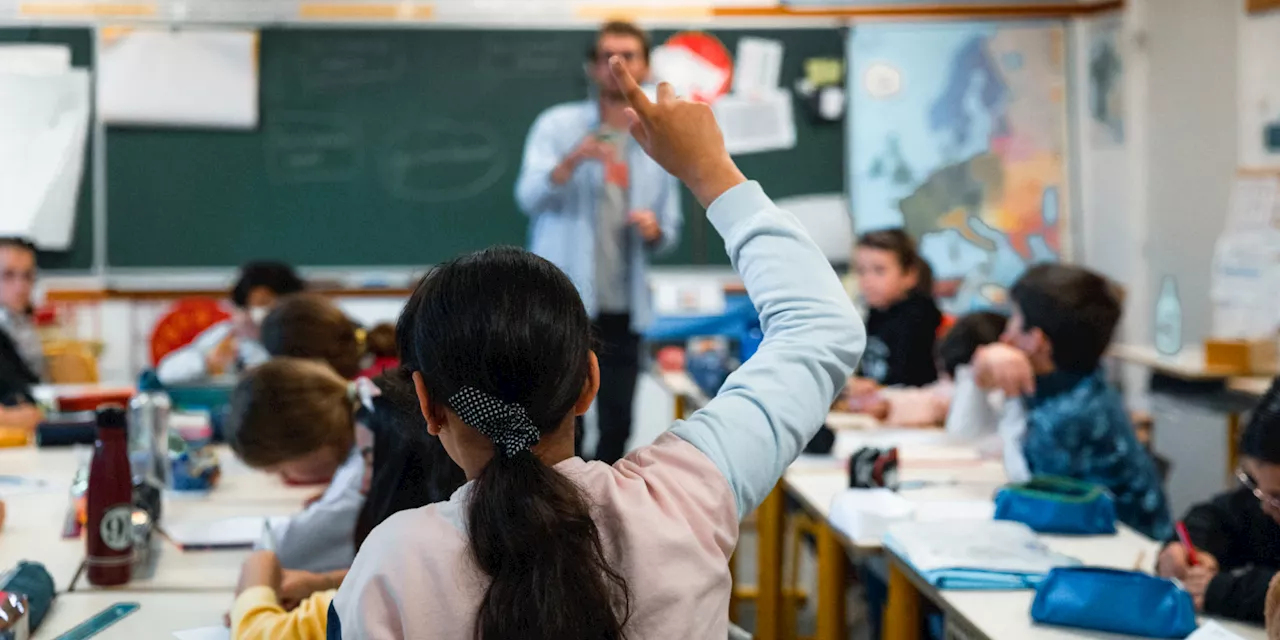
{"x":71,"y":362}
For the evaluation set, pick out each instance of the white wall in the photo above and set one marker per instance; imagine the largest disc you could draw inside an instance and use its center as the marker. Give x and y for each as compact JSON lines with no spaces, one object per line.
{"x":1259,"y":77}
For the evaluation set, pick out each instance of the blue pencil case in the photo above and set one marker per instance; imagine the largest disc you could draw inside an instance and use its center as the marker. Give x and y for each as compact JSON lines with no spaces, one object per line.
{"x":1114,"y":601}
{"x":1050,"y":504}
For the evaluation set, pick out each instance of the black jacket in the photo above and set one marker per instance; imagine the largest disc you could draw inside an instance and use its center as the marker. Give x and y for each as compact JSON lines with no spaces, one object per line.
{"x":1246,"y":543}
{"x":16,"y":378}
{"x":900,"y":343}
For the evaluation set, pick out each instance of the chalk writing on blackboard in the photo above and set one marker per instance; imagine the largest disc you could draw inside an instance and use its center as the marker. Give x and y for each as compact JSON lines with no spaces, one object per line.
{"x":305,"y":146}
{"x":340,"y":62}
{"x":442,"y":161}
{"x":502,"y":57}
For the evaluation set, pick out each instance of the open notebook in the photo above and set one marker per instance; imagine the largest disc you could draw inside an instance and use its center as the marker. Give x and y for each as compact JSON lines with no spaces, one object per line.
{"x":975,"y":554}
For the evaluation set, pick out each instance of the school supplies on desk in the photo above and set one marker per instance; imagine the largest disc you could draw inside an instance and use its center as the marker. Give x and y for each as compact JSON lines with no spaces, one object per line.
{"x":975,"y":554}
{"x":33,"y":582}
{"x":1058,"y":505}
{"x":1126,"y":602}
{"x":866,"y":514}
{"x":14,"y":621}
{"x":100,"y":621}
{"x":227,"y":533}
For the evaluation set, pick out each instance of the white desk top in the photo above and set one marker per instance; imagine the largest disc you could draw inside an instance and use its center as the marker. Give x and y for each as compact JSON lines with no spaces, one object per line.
{"x":158,"y":616}
{"x":1187,"y":365}
{"x":34,"y":524}
{"x":924,"y":456}
{"x":1006,"y":615}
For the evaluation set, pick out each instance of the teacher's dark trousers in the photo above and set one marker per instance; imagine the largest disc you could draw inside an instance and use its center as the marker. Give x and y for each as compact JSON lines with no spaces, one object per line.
{"x":619,"y":355}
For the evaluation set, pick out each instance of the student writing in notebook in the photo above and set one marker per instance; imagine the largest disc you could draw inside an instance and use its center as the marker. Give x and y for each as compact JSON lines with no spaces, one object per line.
{"x":1050,"y":356}
{"x":504,"y":364}
{"x":21,"y":352}
{"x":304,"y":429}
{"x":405,"y":469}
{"x":232,"y":346}
{"x":1236,"y":535}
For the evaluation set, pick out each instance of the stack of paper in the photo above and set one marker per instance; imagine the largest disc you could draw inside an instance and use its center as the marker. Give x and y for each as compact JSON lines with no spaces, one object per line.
{"x":44,"y":126}
{"x":975,"y":554}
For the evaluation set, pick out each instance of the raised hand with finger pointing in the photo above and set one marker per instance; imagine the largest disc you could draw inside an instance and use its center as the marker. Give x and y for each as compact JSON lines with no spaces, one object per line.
{"x":680,"y":135}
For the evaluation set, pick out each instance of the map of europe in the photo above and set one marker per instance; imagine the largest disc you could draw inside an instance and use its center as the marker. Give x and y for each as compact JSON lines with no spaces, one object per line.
{"x":958,"y":134}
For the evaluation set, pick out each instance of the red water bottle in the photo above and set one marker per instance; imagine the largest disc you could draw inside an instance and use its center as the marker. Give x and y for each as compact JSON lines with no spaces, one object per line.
{"x":109,"y":526}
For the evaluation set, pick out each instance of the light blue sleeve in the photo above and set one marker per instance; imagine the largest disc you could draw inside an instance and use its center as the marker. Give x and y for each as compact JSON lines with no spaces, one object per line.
{"x":770,"y":408}
{"x":535,"y":192}
{"x":670,"y":217}
{"x":187,"y":365}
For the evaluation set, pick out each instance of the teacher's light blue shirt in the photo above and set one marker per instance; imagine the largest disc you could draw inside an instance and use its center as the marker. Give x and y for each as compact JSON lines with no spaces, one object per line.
{"x":562,"y":218}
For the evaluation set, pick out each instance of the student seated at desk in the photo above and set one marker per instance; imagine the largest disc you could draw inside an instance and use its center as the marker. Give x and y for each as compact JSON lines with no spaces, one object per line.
{"x":1050,"y":354}
{"x":405,"y":469}
{"x":232,"y":345}
{"x":295,"y":417}
{"x":929,"y":405}
{"x":1236,"y":535}
{"x":542,"y":545}
{"x":310,"y":326}
{"x":902,"y":326}
{"x":21,"y":355}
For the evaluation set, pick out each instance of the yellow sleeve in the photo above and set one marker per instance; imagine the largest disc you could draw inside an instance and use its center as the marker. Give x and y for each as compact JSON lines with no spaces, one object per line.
{"x":257,"y":615}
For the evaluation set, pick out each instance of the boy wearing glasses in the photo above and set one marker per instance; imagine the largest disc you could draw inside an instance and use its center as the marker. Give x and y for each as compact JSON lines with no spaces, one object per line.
{"x":598,"y":208}
{"x":21,"y":353}
{"x":1236,"y":535}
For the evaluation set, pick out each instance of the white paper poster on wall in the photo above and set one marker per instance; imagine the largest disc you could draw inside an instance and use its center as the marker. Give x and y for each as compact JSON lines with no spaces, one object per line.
{"x":179,"y":78}
{"x":44,"y":126}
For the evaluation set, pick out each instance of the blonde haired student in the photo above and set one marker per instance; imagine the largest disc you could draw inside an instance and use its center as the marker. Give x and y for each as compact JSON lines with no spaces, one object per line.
{"x":542,"y":545}
{"x":404,"y":469}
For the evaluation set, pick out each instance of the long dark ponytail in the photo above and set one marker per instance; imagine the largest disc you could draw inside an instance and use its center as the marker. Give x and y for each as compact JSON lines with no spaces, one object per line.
{"x":512,"y":326}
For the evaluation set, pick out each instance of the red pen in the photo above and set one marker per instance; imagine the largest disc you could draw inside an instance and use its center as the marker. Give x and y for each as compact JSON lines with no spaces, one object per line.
{"x":1185,"y":539}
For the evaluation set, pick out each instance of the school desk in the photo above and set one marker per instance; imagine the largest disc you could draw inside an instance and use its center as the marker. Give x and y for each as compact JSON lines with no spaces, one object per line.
{"x":158,"y":614}
{"x":815,"y":480}
{"x":1188,"y":365}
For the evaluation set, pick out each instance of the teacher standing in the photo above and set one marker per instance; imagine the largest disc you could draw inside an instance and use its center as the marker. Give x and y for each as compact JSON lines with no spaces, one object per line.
{"x":598,"y":208}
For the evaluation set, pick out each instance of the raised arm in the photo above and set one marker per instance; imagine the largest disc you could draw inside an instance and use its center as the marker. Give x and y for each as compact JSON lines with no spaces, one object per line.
{"x":769,"y":408}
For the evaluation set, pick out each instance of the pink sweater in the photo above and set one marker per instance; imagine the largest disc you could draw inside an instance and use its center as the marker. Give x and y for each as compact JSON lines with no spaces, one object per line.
{"x":675,"y":519}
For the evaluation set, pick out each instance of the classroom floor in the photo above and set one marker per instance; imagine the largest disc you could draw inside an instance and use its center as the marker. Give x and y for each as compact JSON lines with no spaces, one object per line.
{"x":652,"y":416}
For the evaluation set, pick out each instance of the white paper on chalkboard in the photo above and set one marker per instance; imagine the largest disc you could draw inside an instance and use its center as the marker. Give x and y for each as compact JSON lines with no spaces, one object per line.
{"x":756,"y":123}
{"x":183,"y":78}
{"x":758,"y":68}
{"x":40,"y":59}
{"x":44,"y":124}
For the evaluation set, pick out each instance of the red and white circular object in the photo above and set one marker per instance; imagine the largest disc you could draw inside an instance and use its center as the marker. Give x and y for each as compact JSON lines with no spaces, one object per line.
{"x":696,"y":64}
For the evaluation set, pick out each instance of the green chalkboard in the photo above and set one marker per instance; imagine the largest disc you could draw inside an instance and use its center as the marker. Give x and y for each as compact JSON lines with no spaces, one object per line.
{"x":79,"y":256}
{"x":390,"y":147}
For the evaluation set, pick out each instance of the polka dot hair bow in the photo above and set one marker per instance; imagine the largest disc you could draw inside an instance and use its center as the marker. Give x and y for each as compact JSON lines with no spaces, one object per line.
{"x":507,"y":425}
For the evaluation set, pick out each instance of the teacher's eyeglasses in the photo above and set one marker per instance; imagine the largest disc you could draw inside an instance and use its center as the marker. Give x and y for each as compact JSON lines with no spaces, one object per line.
{"x":1252,"y":485}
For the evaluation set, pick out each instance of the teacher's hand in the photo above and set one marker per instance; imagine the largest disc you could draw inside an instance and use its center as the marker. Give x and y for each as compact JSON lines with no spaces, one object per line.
{"x":680,"y":135}
{"x":646,"y":222}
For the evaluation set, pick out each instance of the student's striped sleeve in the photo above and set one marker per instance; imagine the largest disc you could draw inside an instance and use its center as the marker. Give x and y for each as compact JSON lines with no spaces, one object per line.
{"x":773,"y":405}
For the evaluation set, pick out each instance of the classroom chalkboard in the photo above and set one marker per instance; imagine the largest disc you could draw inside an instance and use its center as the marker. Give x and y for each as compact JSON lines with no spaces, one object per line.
{"x":79,"y":256}
{"x":392,"y":147}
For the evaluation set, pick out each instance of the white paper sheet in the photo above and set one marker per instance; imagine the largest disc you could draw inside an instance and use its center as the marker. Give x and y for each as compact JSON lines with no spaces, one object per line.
{"x":204,"y":633}
{"x":183,"y":78}
{"x":971,"y":544}
{"x":1255,"y":203}
{"x":44,"y":125}
{"x":39,"y":59}
{"x":758,"y":123}
{"x":224,"y":533}
{"x":1243,"y":282}
{"x":758,"y":68}
{"x":689,"y":299}
{"x":1213,"y":631}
